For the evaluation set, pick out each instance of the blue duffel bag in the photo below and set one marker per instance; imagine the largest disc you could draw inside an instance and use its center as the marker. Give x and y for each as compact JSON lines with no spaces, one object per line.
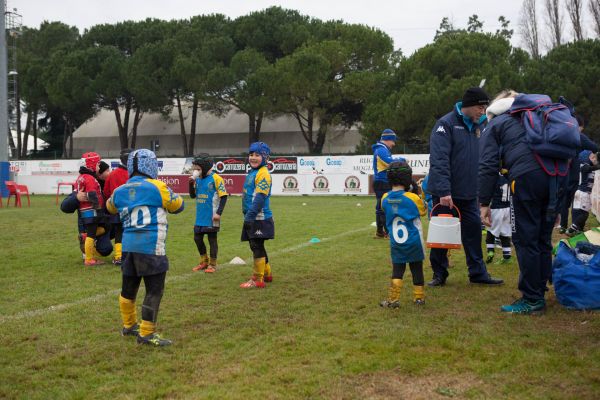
{"x":576,"y":282}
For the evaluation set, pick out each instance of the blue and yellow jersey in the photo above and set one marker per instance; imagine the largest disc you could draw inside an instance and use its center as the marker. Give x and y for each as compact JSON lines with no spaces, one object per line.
{"x":382,"y":158}
{"x":403,"y":211}
{"x":142,"y":204}
{"x":208,"y":192}
{"x":257,"y":181}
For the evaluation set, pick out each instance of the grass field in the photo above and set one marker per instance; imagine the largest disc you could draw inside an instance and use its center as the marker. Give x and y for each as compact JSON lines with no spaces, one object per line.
{"x":316,"y":331}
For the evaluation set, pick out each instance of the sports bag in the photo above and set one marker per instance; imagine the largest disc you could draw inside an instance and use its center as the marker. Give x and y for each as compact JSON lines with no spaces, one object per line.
{"x":576,"y":282}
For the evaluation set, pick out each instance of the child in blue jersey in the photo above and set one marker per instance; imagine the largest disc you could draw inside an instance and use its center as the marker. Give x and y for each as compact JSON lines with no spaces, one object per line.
{"x":209,"y":191}
{"x":142,"y":204}
{"x":403,"y":211}
{"x":258,"y":218}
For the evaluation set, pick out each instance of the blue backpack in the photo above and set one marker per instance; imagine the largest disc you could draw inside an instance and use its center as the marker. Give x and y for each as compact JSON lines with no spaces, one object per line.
{"x":551,"y":131}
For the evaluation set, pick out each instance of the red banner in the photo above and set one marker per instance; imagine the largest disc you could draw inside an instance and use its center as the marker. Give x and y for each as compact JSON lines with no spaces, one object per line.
{"x":179,"y":183}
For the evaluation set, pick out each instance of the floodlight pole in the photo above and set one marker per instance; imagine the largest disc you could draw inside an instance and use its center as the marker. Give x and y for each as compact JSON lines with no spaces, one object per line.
{"x":4,"y":164}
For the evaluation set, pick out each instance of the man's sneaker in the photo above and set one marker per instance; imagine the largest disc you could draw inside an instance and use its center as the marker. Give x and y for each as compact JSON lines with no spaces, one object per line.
{"x":210,"y":269}
{"x":380,"y":235}
{"x":525,"y":307}
{"x":154,"y":340}
{"x":490,"y":257}
{"x":117,"y":261}
{"x":132,"y":331}
{"x":572,"y":232}
{"x":390,"y":304}
{"x":436,"y":282}
{"x":419,"y":302}
{"x":93,"y":262}
{"x":200,"y":267}
{"x":252,"y":284}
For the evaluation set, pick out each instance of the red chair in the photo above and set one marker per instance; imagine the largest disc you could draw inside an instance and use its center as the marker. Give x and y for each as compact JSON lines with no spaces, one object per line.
{"x":59,"y":184}
{"x":16,"y":190}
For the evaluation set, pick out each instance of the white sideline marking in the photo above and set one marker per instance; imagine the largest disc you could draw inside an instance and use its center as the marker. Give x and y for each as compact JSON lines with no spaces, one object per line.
{"x":176,"y":278}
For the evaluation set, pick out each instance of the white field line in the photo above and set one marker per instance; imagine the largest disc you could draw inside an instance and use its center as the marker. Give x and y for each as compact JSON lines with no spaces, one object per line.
{"x":114,"y":293}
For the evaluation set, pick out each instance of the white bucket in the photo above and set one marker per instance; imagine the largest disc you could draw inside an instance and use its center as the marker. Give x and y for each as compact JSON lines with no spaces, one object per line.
{"x":444,"y":231}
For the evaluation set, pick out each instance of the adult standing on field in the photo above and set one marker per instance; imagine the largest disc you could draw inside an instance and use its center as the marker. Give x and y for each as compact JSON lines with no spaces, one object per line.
{"x":453,"y":160}
{"x":382,"y":158}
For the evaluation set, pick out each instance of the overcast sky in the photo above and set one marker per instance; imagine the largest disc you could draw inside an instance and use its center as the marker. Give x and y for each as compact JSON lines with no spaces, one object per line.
{"x":411,"y":24}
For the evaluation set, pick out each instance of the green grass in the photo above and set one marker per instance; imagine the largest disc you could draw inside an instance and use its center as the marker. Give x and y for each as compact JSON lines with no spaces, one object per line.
{"x":315,"y":332}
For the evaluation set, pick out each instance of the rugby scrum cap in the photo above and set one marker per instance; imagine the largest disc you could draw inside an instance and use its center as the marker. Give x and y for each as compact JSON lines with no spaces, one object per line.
{"x":90,"y":160}
{"x":204,"y":161}
{"x":475,"y":96}
{"x":260,"y":148}
{"x":143,"y":161}
{"x":388,"y":134}
{"x":399,"y":173}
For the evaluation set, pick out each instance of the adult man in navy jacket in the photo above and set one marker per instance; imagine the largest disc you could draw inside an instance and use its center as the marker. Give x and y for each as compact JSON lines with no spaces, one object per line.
{"x":503,"y":143}
{"x":382,"y":158}
{"x":453,"y":160}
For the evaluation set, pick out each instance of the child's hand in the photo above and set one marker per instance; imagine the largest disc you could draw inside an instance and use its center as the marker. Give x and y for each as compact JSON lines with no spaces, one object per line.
{"x":82,"y":196}
{"x":216,"y":217}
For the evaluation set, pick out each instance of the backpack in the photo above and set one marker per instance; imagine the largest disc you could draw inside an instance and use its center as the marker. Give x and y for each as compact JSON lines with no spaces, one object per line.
{"x":576,"y":281}
{"x":552,"y":132}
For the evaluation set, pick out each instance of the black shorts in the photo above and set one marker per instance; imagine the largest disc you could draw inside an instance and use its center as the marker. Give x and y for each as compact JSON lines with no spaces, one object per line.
{"x":139,"y":264}
{"x":261,"y":229}
{"x":205,"y":229}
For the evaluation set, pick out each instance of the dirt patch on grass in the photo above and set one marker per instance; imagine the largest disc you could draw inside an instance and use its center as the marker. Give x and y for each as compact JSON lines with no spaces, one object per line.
{"x":396,"y":385}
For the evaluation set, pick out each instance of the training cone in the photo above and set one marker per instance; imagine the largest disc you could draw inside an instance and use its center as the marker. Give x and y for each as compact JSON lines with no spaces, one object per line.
{"x":315,"y":240}
{"x":358,"y":205}
{"x":303,"y":204}
{"x":374,"y":224}
{"x":237,"y":261}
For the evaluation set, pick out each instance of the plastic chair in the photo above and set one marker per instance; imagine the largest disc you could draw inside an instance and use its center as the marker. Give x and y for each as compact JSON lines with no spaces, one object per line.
{"x":16,"y":190}
{"x":59,"y":184}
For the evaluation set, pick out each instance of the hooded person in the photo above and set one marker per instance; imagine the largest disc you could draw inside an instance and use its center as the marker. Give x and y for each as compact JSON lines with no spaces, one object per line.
{"x":143,"y":203}
{"x":258,"y":217}
{"x":382,"y":158}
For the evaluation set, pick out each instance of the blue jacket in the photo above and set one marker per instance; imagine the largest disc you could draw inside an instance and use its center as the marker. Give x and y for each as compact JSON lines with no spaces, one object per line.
{"x":382,"y":158}
{"x":453,"y":155}
{"x":503,"y":140}
{"x":586,"y":144}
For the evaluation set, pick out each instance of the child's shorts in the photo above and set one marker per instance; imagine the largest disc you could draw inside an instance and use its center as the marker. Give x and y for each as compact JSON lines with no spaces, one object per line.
{"x":205,"y":229}
{"x":501,"y":225}
{"x":139,"y":264}
{"x":582,"y":201}
{"x":261,"y":229}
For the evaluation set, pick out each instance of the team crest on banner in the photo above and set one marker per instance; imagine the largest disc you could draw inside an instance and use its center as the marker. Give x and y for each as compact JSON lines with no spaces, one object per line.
{"x":352,"y":185}
{"x":290,"y":185}
{"x":320,"y":185}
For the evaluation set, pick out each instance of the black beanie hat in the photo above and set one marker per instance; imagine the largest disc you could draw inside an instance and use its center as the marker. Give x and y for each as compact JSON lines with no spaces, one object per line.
{"x":102,"y":166}
{"x":475,"y":96}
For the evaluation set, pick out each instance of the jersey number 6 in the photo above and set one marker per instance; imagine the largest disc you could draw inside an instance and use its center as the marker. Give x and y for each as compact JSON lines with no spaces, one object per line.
{"x":399,"y":231}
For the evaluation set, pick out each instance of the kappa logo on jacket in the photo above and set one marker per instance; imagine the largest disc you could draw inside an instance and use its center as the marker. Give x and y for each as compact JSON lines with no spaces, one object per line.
{"x":441,"y":129}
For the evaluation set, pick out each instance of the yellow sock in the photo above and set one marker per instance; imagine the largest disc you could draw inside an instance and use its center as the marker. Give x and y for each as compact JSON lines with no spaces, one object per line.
{"x":213,"y":262}
{"x":90,"y":249}
{"x":128,"y":314}
{"x":147,"y":328}
{"x":419,"y":292}
{"x":267,"y":269}
{"x":204,"y":258}
{"x":118,"y":251}
{"x":100,"y":231}
{"x":259,"y":269}
{"x":394,"y":291}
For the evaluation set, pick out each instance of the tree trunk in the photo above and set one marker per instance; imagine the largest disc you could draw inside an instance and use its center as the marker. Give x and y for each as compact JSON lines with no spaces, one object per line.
{"x":529,"y":28}
{"x":65,"y":138}
{"x":35,"y":133}
{"x":71,"y":130}
{"x":321,"y":134}
{"x":574,"y":9}
{"x":181,"y":125}
{"x":193,"y":127}
{"x":136,"y":121}
{"x":254,"y":125}
{"x":122,"y":132}
{"x":18,"y":122}
{"x":11,"y":142}
{"x":554,"y":19}
{"x":306,"y":127}
{"x":26,"y":135}
{"x":594,"y":6}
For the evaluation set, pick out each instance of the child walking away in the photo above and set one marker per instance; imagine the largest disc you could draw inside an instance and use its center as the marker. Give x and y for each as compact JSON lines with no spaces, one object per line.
{"x":403,"y":211}
{"x":143,"y":203}
{"x":258,"y":218}
{"x":501,"y":226}
{"x":91,"y":203}
{"x":582,"y":202}
{"x":209,"y":191}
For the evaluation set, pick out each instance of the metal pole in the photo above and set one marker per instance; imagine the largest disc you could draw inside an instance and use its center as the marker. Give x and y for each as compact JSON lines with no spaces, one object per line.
{"x":4,"y":164}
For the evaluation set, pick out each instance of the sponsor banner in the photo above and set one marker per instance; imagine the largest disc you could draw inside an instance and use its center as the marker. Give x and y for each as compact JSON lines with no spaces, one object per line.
{"x":356,"y":164}
{"x":418,"y":162}
{"x":239,"y":165}
{"x":234,"y":184}
{"x":349,"y":184}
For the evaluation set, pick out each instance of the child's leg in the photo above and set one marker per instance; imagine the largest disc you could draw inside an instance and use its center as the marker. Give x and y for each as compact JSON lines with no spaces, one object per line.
{"x":155,"y":285}
{"x":259,"y":254}
{"x":393,"y":299}
{"x":199,"y":240}
{"x":129,"y":289}
{"x":268,"y":274}
{"x":214,"y":249}
{"x":579,"y":217}
{"x":490,"y":240}
{"x":506,"y":250}
{"x":118,"y":242}
{"x":416,"y":269}
{"x":90,"y":243}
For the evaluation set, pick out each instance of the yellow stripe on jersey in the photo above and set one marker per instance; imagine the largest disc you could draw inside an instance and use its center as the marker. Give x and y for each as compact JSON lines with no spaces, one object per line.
{"x":418,"y":202}
{"x":110,"y":206}
{"x":263,"y":181}
{"x":381,"y":165}
{"x":384,"y":196}
{"x":220,"y":185}
{"x":170,"y":201}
